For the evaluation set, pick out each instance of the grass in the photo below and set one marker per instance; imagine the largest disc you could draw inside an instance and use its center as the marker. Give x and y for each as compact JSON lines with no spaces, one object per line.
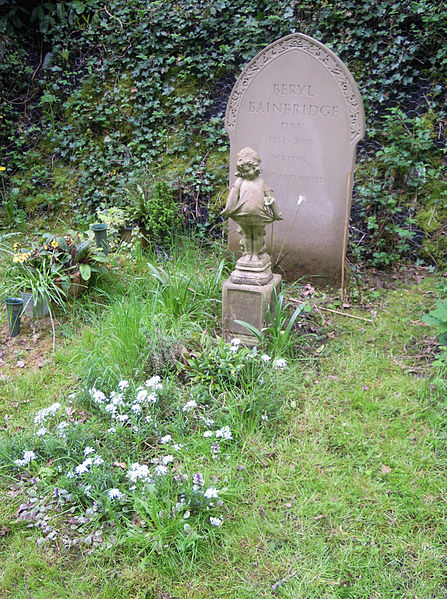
{"x":335,"y":476}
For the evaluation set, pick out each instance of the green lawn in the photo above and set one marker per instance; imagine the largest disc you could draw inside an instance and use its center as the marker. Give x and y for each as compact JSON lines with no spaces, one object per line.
{"x":332,"y":483}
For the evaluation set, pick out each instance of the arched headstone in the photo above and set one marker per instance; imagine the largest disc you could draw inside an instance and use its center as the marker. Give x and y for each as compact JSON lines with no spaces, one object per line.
{"x":298,"y":106}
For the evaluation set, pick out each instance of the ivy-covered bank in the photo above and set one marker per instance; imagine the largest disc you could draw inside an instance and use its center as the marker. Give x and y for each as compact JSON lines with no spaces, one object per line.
{"x":96,"y":95}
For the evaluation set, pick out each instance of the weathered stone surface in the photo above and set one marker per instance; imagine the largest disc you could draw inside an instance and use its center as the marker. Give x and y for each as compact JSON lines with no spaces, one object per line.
{"x":247,"y":303}
{"x":299,"y":108}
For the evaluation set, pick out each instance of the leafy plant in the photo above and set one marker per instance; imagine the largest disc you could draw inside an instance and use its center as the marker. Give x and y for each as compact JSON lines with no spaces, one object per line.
{"x":278,"y":337}
{"x":155,"y":209}
{"x":438,"y":319}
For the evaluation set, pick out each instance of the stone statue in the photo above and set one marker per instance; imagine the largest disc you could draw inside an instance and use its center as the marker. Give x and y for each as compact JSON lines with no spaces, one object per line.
{"x":251,"y":204}
{"x":251,"y":290}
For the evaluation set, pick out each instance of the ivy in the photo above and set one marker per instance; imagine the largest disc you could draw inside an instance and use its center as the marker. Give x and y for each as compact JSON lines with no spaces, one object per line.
{"x":129,"y":86}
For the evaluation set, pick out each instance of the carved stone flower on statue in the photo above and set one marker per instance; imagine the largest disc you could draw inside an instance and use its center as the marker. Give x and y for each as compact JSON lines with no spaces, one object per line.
{"x":251,"y":204}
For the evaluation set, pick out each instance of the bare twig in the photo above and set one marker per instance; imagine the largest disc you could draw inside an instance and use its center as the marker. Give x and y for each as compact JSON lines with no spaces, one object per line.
{"x":292,"y":299}
{"x":113,"y":16}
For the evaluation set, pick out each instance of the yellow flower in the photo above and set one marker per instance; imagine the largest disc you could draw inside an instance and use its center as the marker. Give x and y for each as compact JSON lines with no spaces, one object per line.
{"x":45,"y":247}
{"x":2,"y":168}
{"x":16,"y":258}
{"x":54,"y":243}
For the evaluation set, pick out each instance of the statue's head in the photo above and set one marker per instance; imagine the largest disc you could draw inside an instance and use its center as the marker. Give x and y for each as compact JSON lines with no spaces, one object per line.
{"x":248,"y":164}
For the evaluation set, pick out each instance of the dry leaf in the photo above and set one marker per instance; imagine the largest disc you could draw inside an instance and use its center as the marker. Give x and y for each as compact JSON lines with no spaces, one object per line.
{"x":385,"y":469}
{"x":20,"y":364}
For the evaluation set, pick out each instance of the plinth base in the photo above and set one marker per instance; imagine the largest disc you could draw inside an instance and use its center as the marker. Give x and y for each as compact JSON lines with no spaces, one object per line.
{"x":249,"y":304}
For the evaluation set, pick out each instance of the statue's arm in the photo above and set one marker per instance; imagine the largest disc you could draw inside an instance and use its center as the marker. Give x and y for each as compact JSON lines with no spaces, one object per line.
{"x":271,"y":202}
{"x":233,"y":198}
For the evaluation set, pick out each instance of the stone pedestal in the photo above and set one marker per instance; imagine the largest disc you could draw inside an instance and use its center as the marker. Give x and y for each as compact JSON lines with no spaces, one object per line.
{"x":247,"y":302}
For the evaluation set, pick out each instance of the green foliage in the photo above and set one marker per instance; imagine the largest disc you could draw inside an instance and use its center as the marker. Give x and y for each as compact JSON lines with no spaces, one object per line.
{"x":128,"y":87}
{"x":154,"y":207}
{"x":405,"y":179}
{"x":279,"y":337}
{"x":438,"y":318}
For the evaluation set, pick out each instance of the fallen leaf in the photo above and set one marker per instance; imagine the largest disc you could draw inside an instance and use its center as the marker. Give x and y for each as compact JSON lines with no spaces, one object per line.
{"x":385,"y":469}
{"x":20,"y":364}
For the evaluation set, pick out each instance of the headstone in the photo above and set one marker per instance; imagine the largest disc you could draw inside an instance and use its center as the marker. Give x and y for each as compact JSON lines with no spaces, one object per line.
{"x":297,"y":105}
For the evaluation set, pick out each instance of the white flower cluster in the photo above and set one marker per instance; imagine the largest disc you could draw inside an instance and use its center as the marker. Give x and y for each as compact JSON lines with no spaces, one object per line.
{"x":88,"y":462}
{"x":115,"y":494}
{"x":43,"y":414}
{"x":28,"y":456}
{"x":236,"y":344}
{"x":216,"y":521}
{"x":139,"y":472}
{"x":189,"y":406}
{"x":123,"y":408}
{"x":222,"y":433}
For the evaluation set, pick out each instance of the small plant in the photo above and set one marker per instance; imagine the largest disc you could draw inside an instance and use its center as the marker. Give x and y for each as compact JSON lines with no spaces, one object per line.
{"x":52,"y":269}
{"x":278,"y":336}
{"x":116,"y":218}
{"x":221,"y":366}
{"x":154,"y":207}
{"x":438,"y":318}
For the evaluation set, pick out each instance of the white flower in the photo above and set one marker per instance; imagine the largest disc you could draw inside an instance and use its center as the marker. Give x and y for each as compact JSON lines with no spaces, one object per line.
{"x":42,"y":415}
{"x":151,"y":398}
{"x":148,"y":419}
{"x":265,"y":358}
{"x":139,"y":471}
{"x":88,"y":451}
{"x":211,"y":493}
{"x":41,"y":432}
{"x":115,"y":494}
{"x":208,"y":434}
{"x":122,"y":418}
{"x":110,"y":408}
{"x":161,"y":470}
{"x":123,"y":385}
{"x":177,"y":447}
{"x":166,"y":439}
{"x":216,"y":521}
{"x":233,"y":348}
{"x":112,"y":429}
{"x":98,"y":460}
{"x":280,"y":363}
{"x":28,"y":456}
{"x":154,"y":383}
{"x":167,"y":459}
{"x":223,"y":433}
{"x":97,"y":395}
{"x":81,"y":468}
{"x":117,"y":399}
{"x":236,"y":341}
{"x":61,"y":427}
{"x":141,"y":395}
{"x":136,"y":408}
{"x":190,"y":405}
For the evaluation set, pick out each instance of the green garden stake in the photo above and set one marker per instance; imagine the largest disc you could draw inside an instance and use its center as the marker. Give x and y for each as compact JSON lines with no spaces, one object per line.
{"x":14,"y":308}
{"x":100,"y":231}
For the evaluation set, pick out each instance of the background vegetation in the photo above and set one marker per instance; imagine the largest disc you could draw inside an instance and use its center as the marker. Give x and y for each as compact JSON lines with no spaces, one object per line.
{"x":96,"y":95}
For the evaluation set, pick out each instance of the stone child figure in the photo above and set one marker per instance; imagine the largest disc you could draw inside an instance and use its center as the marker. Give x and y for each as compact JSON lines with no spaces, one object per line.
{"x":251,"y":204}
